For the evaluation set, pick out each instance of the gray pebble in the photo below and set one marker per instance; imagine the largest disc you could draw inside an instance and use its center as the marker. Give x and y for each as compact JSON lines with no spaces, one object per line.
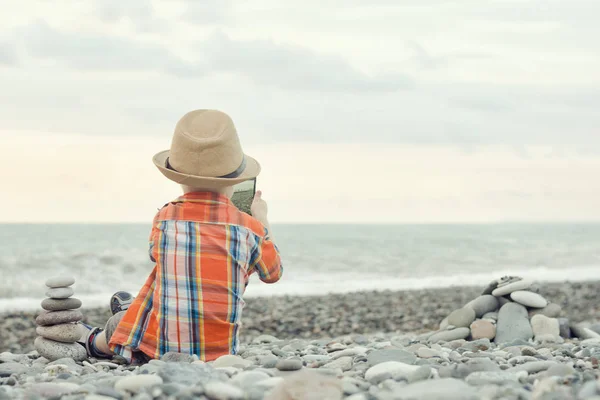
{"x":135,"y":383}
{"x":447,"y":336}
{"x":9,"y":368}
{"x":582,"y":332}
{"x":535,"y":366}
{"x":291,"y":364}
{"x":564,"y":328}
{"x":381,"y":356}
{"x":483,"y":304}
{"x":513,"y":324}
{"x":462,"y":317}
{"x":494,"y":377}
{"x":588,"y":390}
{"x":265,"y":339}
{"x":61,"y":305}
{"x":178,"y":357}
{"x":66,"y":333}
{"x":268,"y":361}
{"x":595,"y":328}
{"x":492,"y":316}
{"x":509,"y":287}
{"x":552,"y":310}
{"x":55,"y":350}
{"x":58,"y":317}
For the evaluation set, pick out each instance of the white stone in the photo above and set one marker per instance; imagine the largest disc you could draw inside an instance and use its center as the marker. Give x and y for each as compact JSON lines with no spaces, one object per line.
{"x":246,"y":379}
{"x":60,"y":281}
{"x":545,"y":328}
{"x":352,"y":352}
{"x":311,"y":358}
{"x":60,"y":293}
{"x":391,"y":369}
{"x":425,"y":352}
{"x":230,"y":371}
{"x":269,"y":383}
{"x":343,"y":363}
{"x":440,"y":389}
{"x":307,"y":385}
{"x":529,"y":299}
{"x":53,"y":389}
{"x":265,"y":339}
{"x":229,"y":360}
{"x":215,"y":390}
{"x":134,"y":383}
{"x":512,"y":287}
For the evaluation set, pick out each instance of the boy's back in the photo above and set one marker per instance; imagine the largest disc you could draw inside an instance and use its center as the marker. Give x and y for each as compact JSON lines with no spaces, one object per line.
{"x":205,"y":249}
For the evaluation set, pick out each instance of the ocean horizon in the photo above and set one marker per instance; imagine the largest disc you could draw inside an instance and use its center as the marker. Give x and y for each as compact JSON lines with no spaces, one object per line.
{"x":317,"y":258}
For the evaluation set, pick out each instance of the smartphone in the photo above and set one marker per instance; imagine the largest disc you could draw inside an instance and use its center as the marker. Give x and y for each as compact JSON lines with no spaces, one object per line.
{"x":243,"y":195}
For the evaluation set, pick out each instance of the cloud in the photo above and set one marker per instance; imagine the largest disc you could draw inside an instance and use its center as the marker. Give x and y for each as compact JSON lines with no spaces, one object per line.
{"x":8,"y":55}
{"x":264,"y":62}
{"x":427,"y":60}
{"x":115,"y":10}
{"x":87,"y":51}
{"x":141,"y":13}
{"x":208,"y":12}
{"x":571,"y":12}
{"x":294,"y":67}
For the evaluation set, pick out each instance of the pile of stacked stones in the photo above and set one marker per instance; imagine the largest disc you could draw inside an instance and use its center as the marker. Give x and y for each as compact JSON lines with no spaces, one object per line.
{"x":57,"y":326}
{"x":509,"y":309}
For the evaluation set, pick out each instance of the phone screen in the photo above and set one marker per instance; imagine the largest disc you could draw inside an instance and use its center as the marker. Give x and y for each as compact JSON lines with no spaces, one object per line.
{"x":243,"y":195}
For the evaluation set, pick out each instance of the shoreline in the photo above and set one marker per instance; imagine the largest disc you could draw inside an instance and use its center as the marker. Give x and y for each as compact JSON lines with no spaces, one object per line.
{"x":355,"y":346}
{"x":335,"y":315}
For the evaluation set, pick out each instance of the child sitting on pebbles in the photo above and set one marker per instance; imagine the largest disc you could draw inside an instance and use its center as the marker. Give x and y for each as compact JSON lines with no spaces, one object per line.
{"x":204,"y":248}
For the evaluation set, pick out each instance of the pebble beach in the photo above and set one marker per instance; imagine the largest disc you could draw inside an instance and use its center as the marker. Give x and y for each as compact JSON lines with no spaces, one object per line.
{"x":363,"y":345}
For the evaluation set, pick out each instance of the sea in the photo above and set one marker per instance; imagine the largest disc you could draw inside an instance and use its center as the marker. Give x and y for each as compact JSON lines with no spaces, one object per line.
{"x":317,"y":259}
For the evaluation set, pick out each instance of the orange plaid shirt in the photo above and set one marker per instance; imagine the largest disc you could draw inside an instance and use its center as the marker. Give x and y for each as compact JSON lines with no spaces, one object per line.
{"x":205,"y":249}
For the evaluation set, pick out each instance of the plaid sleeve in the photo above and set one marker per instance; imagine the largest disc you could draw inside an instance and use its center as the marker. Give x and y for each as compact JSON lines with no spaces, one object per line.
{"x":266,"y":260}
{"x":152,"y":238}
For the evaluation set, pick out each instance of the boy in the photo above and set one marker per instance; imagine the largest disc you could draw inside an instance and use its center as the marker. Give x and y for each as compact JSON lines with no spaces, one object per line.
{"x":204,"y":248}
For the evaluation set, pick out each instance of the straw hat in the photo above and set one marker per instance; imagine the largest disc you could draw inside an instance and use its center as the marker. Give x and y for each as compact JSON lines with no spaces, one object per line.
{"x":206,"y":152}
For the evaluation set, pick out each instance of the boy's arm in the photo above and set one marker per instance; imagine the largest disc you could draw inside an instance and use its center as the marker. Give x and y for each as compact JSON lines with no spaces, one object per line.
{"x":267,"y":260}
{"x":265,"y":257}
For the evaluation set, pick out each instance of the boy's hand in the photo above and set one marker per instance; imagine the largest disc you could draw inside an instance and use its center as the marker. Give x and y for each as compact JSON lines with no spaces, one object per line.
{"x":259,"y":207}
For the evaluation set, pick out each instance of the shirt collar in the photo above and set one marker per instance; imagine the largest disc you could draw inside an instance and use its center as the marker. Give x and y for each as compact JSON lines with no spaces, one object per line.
{"x":203,"y":197}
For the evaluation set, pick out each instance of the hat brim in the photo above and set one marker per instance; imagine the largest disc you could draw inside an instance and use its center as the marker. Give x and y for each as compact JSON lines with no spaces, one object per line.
{"x":205,"y":182}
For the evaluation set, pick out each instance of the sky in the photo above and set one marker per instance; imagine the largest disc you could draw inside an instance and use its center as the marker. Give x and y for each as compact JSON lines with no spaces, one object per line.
{"x":412,"y":111}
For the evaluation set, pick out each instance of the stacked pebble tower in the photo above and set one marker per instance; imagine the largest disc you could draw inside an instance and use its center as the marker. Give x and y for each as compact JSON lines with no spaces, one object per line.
{"x":509,"y":310}
{"x":57,"y":325}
